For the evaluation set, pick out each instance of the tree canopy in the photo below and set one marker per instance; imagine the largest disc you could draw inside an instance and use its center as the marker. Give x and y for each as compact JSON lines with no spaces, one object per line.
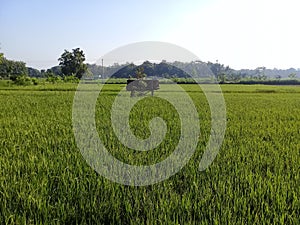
{"x":10,"y":68}
{"x":1,"y":57}
{"x":72,"y":63}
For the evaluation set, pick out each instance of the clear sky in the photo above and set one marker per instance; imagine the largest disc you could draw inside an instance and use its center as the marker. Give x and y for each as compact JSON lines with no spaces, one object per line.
{"x":238,"y":33}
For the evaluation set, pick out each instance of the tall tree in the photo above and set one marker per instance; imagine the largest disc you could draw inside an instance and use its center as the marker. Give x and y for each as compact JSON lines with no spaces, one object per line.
{"x":72,"y":63}
{"x":12,"y":69}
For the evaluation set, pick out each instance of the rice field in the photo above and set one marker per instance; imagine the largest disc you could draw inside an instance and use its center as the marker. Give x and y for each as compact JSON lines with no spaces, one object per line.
{"x":254,"y":179}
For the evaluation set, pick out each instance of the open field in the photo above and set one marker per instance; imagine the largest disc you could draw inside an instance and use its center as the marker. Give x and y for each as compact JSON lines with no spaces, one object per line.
{"x":255,"y":178}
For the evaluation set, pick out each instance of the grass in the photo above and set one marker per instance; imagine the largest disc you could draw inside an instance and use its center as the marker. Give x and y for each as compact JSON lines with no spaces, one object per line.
{"x":255,"y":178}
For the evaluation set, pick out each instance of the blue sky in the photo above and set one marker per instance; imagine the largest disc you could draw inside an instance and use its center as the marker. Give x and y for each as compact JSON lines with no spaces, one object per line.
{"x":238,"y":33}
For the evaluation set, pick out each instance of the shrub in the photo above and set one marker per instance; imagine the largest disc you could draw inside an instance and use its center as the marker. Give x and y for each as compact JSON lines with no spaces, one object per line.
{"x":35,"y":81}
{"x":70,"y":79}
{"x":23,"y":80}
{"x":53,"y":79}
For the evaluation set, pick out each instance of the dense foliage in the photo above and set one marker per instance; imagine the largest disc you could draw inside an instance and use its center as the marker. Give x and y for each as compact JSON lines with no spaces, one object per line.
{"x":72,"y":63}
{"x":12,"y":69}
{"x":195,"y":69}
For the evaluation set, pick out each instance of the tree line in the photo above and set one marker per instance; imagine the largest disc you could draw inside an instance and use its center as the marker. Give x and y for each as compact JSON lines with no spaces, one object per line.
{"x":72,"y":67}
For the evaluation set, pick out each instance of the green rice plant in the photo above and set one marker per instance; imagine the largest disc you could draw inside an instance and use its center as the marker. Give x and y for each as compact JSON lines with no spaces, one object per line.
{"x":254,"y":179}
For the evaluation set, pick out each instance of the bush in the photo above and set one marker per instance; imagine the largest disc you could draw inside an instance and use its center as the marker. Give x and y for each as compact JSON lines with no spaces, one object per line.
{"x":35,"y":81}
{"x":53,"y":79}
{"x":23,"y":80}
{"x":70,"y":79}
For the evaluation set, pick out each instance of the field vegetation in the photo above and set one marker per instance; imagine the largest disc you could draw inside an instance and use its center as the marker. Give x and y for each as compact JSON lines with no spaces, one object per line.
{"x":254,"y":179}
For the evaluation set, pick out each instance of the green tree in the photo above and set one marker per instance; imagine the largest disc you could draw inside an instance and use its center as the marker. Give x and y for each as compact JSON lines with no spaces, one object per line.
{"x":260,"y":72}
{"x":32,"y":72}
{"x":72,"y":63}
{"x":1,"y":57}
{"x":12,"y":69}
{"x":140,"y":73}
{"x":221,"y":77}
{"x":292,"y":75}
{"x":56,"y":70}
